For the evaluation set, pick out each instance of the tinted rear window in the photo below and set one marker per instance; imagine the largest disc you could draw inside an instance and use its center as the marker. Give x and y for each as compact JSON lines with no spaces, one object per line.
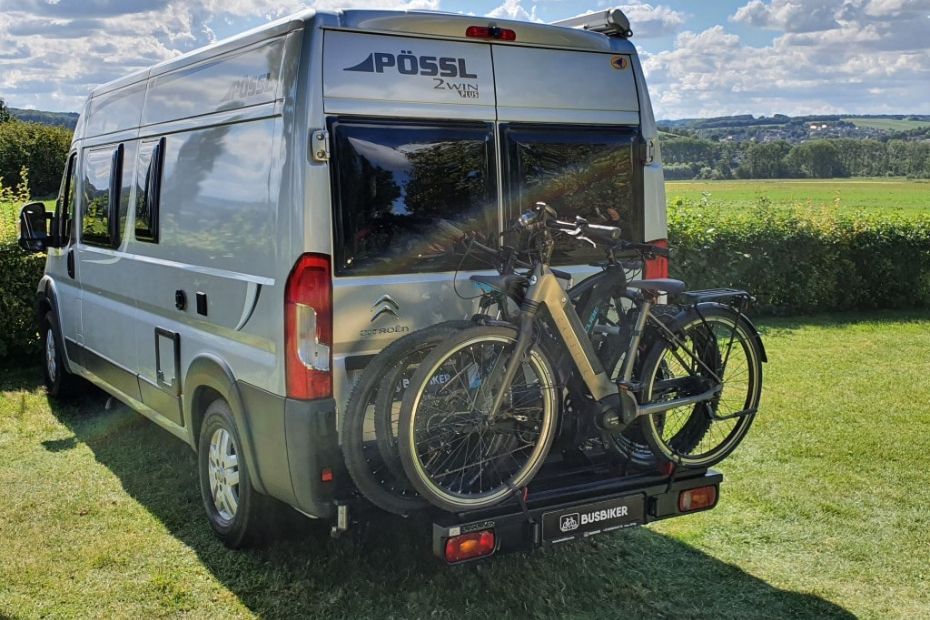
{"x":579,"y":171}
{"x":406,"y":193}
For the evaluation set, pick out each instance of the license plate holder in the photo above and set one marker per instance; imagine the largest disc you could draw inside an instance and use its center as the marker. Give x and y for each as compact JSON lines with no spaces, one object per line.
{"x":584,"y":520}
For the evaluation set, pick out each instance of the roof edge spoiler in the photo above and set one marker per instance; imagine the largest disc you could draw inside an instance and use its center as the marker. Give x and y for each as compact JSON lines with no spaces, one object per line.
{"x":612,"y":22}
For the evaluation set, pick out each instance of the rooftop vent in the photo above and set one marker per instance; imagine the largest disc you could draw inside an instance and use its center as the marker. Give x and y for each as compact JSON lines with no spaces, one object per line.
{"x":611,"y":22}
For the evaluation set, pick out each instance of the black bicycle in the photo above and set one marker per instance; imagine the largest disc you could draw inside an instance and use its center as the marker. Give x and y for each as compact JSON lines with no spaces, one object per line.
{"x":481,"y":411}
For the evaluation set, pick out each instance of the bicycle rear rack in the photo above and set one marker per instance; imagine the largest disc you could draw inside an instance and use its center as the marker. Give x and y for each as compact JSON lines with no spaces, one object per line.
{"x":715,"y":294}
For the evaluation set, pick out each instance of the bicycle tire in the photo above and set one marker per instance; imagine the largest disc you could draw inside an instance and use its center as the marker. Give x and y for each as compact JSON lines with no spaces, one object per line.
{"x":692,"y":445}
{"x":372,"y":476}
{"x":401,"y":363}
{"x":476,"y":428}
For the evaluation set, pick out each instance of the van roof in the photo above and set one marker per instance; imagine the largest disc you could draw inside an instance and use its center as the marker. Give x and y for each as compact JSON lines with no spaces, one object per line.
{"x":415,"y":22}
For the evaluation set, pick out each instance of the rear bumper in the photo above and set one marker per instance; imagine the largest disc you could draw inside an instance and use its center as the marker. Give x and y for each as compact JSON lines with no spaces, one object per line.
{"x":312,"y":445}
{"x":293,"y":441}
{"x":651,"y":498}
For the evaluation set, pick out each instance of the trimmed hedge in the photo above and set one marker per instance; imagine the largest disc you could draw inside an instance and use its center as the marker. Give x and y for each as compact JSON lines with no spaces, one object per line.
{"x":792,"y":261}
{"x":19,"y":275}
{"x":799,"y":262}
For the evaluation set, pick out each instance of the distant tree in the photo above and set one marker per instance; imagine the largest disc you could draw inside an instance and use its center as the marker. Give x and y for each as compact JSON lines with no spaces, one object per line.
{"x":5,"y":115}
{"x":765,"y":161}
{"x":817,"y":159}
{"x":689,"y":150}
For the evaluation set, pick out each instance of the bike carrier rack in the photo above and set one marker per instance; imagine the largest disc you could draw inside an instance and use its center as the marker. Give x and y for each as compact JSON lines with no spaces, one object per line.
{"x":561,"y":495}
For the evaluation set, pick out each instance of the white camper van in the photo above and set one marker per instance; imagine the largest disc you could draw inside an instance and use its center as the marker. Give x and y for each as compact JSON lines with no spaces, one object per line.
{"x":241,"y":228}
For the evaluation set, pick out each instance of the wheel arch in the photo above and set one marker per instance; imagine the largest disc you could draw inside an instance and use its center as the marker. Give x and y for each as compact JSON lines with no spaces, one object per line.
{"x":209,"y":377}
{"x":46,"y":300}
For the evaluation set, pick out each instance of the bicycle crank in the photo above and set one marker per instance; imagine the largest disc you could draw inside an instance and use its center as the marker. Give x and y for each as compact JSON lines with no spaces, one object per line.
{"x":617,"y":411}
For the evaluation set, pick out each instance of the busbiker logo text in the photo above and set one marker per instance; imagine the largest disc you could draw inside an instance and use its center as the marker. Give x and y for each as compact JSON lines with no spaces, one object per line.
{"x":604,"y":515}
{"x":572,"y":521}
{"x":443,"y":69}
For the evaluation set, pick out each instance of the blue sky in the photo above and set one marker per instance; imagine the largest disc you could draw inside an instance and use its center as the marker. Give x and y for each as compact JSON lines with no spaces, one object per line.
{"x":701,"y":58}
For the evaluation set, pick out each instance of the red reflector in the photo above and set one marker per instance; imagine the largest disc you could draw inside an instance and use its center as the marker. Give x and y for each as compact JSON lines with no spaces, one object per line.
{"x":697,"y":499}
{"x":470,"y":546}
{"x":326,"y":475}
{"x":657,"y":267}
{"x":483,"y":32}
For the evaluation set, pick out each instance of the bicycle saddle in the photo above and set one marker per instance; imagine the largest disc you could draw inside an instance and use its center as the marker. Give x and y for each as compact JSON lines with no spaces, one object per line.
{"x":663,"y":285}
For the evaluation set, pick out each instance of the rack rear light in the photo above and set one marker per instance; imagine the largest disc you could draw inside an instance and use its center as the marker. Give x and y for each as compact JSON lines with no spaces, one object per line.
{"x":700,"y":498}
{"x":470,"y":546}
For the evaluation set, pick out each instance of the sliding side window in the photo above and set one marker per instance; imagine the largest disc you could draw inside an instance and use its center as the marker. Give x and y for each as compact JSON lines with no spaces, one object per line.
{"x":102,"y":184}
{"x":588,"y":171}
{"x":148,"y":189}
{"x":407,"y":193}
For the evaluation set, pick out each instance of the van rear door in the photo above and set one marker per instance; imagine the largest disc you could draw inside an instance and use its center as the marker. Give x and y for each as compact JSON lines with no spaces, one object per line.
{"x":413,"y":166}
{"x":570,"y":134}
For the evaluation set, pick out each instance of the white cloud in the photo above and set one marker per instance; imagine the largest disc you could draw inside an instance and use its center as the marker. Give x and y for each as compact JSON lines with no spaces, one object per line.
{"x":790,"y":15}
{"x":513,"y":9}
{"x":879,"y":65}
{"x":53,"y":53}
{"x":648,"y":21}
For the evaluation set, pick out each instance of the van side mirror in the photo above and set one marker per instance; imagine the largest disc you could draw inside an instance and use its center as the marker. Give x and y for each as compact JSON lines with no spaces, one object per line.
{"x":33,"y":227}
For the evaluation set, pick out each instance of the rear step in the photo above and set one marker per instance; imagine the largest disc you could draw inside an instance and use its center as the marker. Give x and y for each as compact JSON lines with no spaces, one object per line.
{"x":562,"y":509}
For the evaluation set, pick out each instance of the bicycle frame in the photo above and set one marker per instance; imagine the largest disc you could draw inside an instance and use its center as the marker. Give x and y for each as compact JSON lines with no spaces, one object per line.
{"x":545,"y":291}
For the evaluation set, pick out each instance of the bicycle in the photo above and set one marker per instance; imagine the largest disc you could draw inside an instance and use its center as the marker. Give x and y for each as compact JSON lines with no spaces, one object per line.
{"x":369,"y":430}
{"x":479,"y":416}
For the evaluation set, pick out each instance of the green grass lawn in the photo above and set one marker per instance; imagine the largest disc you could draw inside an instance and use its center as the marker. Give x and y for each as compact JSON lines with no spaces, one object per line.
{"x":823,"y":514}
{"x":907,"y":198}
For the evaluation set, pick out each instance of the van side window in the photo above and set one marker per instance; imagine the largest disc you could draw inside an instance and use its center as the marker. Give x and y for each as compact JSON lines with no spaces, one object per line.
{"x":127,"y":159}
{"x":406,"y":193}
{"x":148,"y":190}
{"x":65,"y":203}
{"x":588,"y":171}
{"x":102,"y":183}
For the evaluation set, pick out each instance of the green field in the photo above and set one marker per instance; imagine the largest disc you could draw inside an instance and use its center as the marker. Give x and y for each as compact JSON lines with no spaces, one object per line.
{"x":888,"y":124}
{"x":907,"y":198}
{"x":823,"y":514}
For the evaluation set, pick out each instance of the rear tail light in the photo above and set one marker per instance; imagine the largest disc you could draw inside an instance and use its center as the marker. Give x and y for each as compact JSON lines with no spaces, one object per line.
{"x":470,"y":546}
{"x":308,"y":328}
{"x":657,"y":267}
{"x":697,"y":499}
{"x":490,"y":32}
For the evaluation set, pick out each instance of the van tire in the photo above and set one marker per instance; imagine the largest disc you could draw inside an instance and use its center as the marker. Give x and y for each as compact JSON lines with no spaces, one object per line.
{"x":237,"y":517}
{"x":60,"y":384}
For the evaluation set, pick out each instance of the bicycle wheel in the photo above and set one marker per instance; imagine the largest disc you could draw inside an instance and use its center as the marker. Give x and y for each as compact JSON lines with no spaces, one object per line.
{"x":454,"y":454}
{"x":717,"y":347}
{"x":399,"y":368}
{"x":365,"y":452}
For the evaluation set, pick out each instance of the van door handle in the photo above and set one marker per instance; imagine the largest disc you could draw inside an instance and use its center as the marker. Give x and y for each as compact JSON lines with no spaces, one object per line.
{"x":70,"y":262}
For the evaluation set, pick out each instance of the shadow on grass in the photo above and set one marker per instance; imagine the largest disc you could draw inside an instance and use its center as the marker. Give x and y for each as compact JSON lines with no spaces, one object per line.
{"x":386,"y":568}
